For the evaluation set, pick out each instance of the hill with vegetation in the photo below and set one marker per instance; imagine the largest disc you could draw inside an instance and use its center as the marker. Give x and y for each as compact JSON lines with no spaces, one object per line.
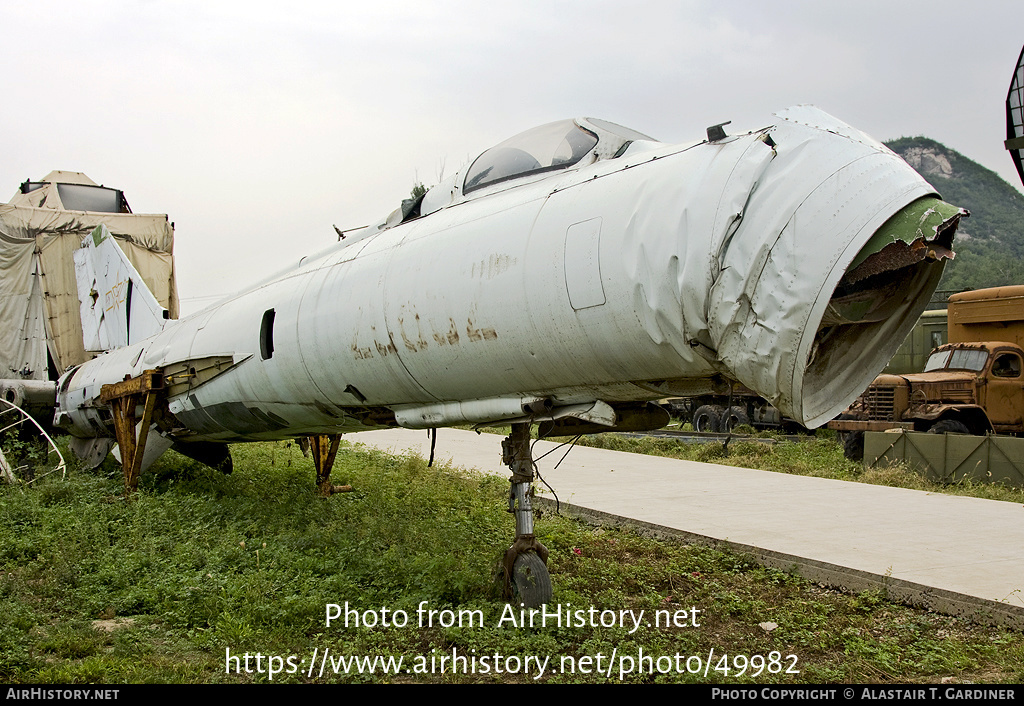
{"x":989,"y":244}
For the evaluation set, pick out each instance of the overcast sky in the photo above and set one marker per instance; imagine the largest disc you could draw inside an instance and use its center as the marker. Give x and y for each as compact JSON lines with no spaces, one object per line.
{"x":257,"y":126}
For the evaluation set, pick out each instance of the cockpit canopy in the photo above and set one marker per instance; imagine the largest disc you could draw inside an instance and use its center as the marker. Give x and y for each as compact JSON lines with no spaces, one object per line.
{"x":528,"y":156}
{"x":546,"y":148}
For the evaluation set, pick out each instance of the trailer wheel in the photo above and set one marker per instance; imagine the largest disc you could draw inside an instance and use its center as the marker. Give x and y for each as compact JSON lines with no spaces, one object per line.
{"x":853,"y":446}
{"x":949,"y":426}
{"x":736,"y":416}
{"x":706,"y":418}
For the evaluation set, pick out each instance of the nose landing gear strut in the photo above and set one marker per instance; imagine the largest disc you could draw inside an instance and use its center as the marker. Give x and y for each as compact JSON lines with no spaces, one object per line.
{"x":525,"y":562}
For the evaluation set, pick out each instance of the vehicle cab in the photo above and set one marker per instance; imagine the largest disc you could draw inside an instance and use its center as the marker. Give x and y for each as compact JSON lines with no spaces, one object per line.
{"x":998,"y":369}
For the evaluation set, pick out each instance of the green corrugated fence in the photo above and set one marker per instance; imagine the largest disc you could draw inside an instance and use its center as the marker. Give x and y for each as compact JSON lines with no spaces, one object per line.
{"x":948,"y":458}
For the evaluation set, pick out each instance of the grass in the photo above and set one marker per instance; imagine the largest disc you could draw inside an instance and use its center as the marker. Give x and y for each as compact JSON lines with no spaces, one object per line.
{"x":94,"y":589}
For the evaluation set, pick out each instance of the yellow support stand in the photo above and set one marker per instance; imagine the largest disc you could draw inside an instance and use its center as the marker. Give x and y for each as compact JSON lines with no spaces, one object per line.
{"x":124,"y":398}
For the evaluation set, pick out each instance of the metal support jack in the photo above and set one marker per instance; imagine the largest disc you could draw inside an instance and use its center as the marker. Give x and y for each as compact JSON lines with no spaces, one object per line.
{"x":324,"y":448}
{"x":124,"y":398}
{"x":525,"y":562}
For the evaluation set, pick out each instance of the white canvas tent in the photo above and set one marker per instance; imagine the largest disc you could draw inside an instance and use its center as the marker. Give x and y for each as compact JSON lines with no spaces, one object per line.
{"x":40,"y":228}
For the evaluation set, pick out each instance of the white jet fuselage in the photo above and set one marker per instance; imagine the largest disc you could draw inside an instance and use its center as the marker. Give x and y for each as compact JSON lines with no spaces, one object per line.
{"x":654,"y":273}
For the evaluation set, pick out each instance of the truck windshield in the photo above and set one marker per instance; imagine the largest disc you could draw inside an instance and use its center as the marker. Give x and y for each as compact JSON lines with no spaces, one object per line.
{"x":968,"y":359}
{"x":971,"y":359}
{"x":936,"y":361}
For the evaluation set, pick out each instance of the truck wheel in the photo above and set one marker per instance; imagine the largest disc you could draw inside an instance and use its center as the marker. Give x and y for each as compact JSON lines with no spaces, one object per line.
{"x":949,"y":426}
{"x":706,"y":418}
{"x":735,"y":417}
{"x":853,"y":446}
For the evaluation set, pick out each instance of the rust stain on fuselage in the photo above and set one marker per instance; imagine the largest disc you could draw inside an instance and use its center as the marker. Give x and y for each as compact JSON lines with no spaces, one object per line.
{"x":451,"y":337}
{"x":413,"y":345}
{"x":385,"y":349}
{"x":492,"y":266}
{"x":479,"y":334}
{"x":361,"y":353}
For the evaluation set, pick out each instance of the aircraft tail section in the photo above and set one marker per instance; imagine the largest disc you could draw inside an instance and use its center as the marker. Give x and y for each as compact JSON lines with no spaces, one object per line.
{"x":117,"y":306}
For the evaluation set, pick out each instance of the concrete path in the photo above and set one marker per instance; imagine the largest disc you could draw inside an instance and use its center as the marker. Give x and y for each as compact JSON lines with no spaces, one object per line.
{"x":957,"y":555}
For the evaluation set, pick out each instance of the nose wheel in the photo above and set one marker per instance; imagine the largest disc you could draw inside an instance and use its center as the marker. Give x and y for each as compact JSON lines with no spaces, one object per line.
{"x":531,"y":583}
{"x":525,"y":563}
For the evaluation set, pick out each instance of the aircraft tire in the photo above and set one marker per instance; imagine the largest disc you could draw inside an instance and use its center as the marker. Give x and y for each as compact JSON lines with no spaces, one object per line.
{"x":706,"y":418}
{"x":531,"y":583}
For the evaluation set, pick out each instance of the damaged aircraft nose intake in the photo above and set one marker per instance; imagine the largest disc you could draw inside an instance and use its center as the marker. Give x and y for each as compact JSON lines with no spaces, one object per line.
{"x":908,"y":251}
{"x":918,"y":236}
{"x":834,"y":257}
